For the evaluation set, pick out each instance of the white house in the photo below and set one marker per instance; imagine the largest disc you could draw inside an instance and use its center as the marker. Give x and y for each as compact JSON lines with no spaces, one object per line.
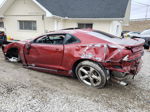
{"x":23,"y":19}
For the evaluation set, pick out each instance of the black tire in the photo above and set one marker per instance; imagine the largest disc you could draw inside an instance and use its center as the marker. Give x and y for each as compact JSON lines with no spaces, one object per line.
{"x":146,"y":47}
{"x":98,"y":72}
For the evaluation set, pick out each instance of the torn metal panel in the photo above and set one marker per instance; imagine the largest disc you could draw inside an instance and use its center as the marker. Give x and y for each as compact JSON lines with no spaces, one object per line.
{"x":112,"y":57}
{"x":93,"y":51}
{"x":101,"y":52}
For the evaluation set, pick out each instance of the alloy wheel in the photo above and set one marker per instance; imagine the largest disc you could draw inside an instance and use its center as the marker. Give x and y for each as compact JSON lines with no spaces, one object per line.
{"x":89,"y":75}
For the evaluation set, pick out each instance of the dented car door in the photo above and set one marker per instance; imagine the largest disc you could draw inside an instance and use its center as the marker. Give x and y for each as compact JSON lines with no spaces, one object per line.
{"x":45,"y":52}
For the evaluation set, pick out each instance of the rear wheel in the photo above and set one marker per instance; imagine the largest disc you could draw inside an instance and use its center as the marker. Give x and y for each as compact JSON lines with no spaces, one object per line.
{"x":91,"y":74}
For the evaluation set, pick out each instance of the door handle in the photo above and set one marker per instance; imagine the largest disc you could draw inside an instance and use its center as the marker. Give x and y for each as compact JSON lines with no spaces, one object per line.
{"x":57,"y":49}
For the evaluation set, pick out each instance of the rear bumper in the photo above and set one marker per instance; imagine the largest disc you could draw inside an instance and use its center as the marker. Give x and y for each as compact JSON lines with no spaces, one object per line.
{"x":131,"y":66}
{"x":126,"y":67}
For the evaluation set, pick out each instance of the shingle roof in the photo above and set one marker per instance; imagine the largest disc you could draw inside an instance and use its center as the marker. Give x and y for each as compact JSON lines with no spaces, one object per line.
{"x":86,"y":8}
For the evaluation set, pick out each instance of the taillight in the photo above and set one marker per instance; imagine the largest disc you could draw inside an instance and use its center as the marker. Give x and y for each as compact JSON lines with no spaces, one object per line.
{"x":126,"y":58}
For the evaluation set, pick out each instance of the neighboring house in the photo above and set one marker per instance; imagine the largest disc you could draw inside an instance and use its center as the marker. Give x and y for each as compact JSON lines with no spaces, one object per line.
{"x":23,"y":19}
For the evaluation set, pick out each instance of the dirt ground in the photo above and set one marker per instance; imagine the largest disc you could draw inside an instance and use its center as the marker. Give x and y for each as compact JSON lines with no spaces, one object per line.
{"x":23,"y":90}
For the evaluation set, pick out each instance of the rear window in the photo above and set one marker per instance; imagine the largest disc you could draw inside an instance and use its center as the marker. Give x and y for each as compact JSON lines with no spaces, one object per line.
{"x":71,"y":39}
{"x":103,"y":34}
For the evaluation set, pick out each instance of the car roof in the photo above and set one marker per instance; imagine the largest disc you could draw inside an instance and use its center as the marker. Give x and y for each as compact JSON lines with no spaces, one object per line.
{"x":86,"y":36}
{"x":79,"y":32}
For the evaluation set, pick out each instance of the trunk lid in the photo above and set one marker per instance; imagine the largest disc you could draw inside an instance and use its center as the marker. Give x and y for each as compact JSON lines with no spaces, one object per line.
{"x":129,"y":43}
{"x":135,"y":45}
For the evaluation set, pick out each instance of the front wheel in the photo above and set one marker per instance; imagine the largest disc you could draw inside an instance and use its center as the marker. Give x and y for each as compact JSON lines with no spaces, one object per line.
{"x":91,"y":74}
{"x":13,"y":55}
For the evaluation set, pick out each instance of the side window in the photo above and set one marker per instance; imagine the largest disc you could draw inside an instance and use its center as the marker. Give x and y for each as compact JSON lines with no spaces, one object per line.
{"x":71,"y":39}
{"x":56,"y":39}
{"x":41,"y":40}
{"x":51,"y":39}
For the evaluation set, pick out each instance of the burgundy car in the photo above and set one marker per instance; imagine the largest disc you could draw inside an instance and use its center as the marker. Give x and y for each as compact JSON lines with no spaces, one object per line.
{"x":93,"y":56}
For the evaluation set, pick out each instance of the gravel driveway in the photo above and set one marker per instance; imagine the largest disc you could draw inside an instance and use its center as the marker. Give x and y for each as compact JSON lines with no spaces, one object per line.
{"x":23,"y":90}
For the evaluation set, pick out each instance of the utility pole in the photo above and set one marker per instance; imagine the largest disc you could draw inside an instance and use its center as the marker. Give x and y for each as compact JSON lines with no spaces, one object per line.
{"x":147,"y":10}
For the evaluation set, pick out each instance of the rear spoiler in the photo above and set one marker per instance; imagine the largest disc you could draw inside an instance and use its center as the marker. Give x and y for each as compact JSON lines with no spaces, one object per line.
{"x":139,"y":43}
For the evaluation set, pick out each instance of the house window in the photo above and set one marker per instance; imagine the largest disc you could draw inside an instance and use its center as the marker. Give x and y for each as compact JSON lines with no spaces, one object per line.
{"x":27,"y":25}
{"x":85,"y":25}
{"x":1,"y":24}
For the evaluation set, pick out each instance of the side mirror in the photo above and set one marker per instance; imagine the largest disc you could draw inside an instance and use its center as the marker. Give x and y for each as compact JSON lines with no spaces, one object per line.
{"x":28,"y":45}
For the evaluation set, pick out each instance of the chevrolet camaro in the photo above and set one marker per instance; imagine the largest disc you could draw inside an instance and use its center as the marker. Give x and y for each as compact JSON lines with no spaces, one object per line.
{"x":94,"y":57}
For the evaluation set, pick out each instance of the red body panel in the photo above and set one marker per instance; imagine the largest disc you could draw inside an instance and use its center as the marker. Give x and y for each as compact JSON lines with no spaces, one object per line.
{"x":60,"y":59}
{"x":48,"y":56}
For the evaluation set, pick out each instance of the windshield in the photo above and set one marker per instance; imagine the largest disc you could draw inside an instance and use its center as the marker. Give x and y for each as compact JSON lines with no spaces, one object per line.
{"x":146,"y":32}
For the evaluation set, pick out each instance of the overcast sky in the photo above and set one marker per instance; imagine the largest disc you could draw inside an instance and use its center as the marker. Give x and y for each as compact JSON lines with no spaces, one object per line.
{"x":138,"y":9}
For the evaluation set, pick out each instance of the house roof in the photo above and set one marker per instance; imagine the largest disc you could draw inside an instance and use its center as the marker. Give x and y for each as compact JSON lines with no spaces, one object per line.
{"x":86,"y":8}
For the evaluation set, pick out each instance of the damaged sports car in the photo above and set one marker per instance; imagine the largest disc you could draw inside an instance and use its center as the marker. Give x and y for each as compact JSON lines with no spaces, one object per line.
{"x":94,"y":57}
